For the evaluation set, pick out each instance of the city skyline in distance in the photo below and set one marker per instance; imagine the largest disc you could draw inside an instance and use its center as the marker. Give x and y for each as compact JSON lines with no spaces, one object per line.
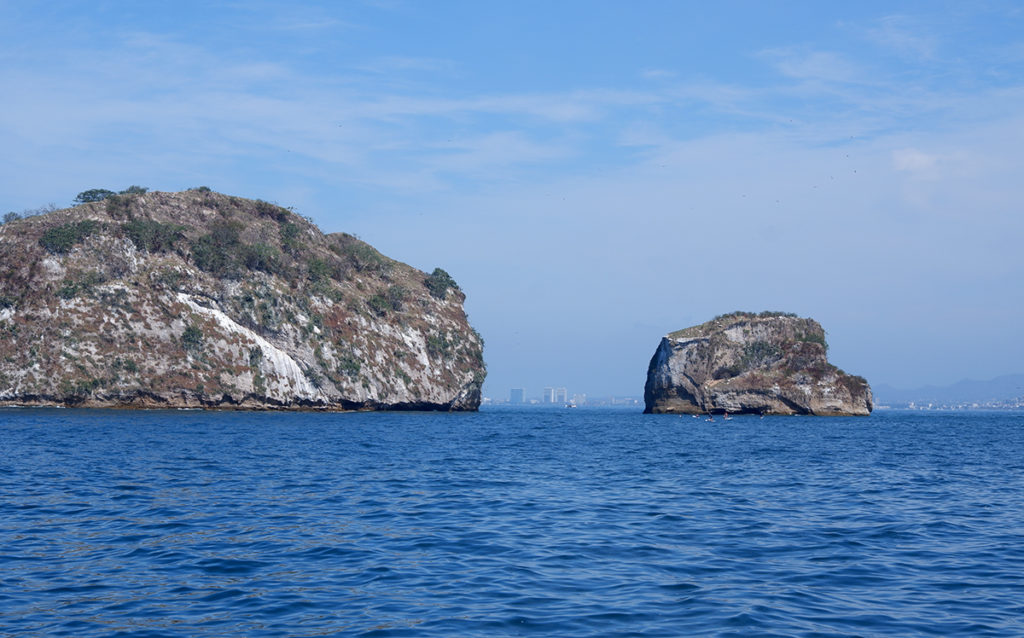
{"x":560,"y":396}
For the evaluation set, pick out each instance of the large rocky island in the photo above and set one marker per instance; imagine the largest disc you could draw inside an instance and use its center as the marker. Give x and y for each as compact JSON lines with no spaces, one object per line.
{"x":766,"y":363}
{"x":198,"y":299}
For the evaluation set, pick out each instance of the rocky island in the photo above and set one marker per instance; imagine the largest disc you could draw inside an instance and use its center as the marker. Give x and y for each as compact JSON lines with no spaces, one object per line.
{"x":766,"y":363}
{"x":202,"y":300}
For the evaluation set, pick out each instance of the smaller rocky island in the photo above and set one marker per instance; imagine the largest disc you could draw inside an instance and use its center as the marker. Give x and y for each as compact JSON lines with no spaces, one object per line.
{"x":743,"y":362}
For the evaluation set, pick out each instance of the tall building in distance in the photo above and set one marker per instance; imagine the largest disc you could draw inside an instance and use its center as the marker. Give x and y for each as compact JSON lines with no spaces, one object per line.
{"x":554,"y":395}
{"x":517,"y":396}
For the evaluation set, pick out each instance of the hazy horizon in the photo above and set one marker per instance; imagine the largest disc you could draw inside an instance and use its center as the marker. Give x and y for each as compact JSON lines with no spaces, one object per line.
{"x":593,"y":174}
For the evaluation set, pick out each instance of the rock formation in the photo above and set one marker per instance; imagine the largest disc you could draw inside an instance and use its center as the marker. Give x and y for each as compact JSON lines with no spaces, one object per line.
{"x":197,"y":299}
{"x":767,"y":363}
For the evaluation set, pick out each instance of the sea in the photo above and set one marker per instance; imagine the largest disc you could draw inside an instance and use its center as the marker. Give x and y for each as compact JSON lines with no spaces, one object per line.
{"x":510,"y":522}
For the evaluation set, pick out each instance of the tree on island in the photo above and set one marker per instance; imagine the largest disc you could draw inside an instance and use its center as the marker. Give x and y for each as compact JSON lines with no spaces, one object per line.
{"x":100,"y":194}
{"x":93,"y":195}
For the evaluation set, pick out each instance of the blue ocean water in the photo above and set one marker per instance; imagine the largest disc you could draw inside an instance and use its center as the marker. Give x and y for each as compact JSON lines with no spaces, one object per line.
{"x":508,"y":523}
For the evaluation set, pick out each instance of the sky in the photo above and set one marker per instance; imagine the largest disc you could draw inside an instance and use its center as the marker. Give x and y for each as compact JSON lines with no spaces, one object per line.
{"x":593,"y":174}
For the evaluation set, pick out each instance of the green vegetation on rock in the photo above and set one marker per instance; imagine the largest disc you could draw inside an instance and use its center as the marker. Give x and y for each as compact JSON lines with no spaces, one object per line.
{"x":266,"y":209}
{"x":813,"y":336}
{"x":260,"y":256}
{"x":378,"y":304}
{"x":358,"y":255}
{"x":439,"y":345}
{"x":81,"y":285}
{"x":192,"y":338}
{"x":61,"y":239}
{"x":217,"y":252}
{"x":290,"y":236}
{"x":759,"y":354}
{"x":153,"y":236}
{"x":319,"y":271}
{"x":349,"y":365}
{"x":439,"y":282}
{"x":93,"y":195}
{"x":396,"y":296}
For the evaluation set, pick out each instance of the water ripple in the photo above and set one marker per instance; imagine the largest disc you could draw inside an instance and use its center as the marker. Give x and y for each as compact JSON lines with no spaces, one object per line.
{"x":589,"y":523}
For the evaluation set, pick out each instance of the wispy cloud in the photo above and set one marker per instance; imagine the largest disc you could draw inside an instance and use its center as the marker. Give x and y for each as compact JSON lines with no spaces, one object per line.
{"x":481,"y":155}
{"x":298,"y":18}
{"x":904,"y":36}
{"x":393,"y":64}
{"x":187,"y":100}
{"x":822,"y":66}
{"x":915,"y":162}
{"x":657,"y":74}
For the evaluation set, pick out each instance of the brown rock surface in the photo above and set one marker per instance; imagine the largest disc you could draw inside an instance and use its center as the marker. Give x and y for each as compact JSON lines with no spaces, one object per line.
{"x":198,"y":299}
{"x":768,"y":363}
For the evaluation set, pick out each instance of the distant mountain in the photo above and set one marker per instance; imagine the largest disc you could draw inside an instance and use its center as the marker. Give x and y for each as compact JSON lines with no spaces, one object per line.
{"x":1004,"y":388}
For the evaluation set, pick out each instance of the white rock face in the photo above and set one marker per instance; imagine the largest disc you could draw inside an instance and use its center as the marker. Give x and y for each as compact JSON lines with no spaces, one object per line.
{"x":767,"y":364}
{"x":288,"y":380}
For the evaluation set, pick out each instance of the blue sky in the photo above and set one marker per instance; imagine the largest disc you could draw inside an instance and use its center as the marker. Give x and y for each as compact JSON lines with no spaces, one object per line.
{"x":593,"y":174}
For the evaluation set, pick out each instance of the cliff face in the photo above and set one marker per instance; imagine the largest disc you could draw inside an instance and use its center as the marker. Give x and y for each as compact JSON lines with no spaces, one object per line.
{"x":771,"y":363}
{"x":197,"y":299}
